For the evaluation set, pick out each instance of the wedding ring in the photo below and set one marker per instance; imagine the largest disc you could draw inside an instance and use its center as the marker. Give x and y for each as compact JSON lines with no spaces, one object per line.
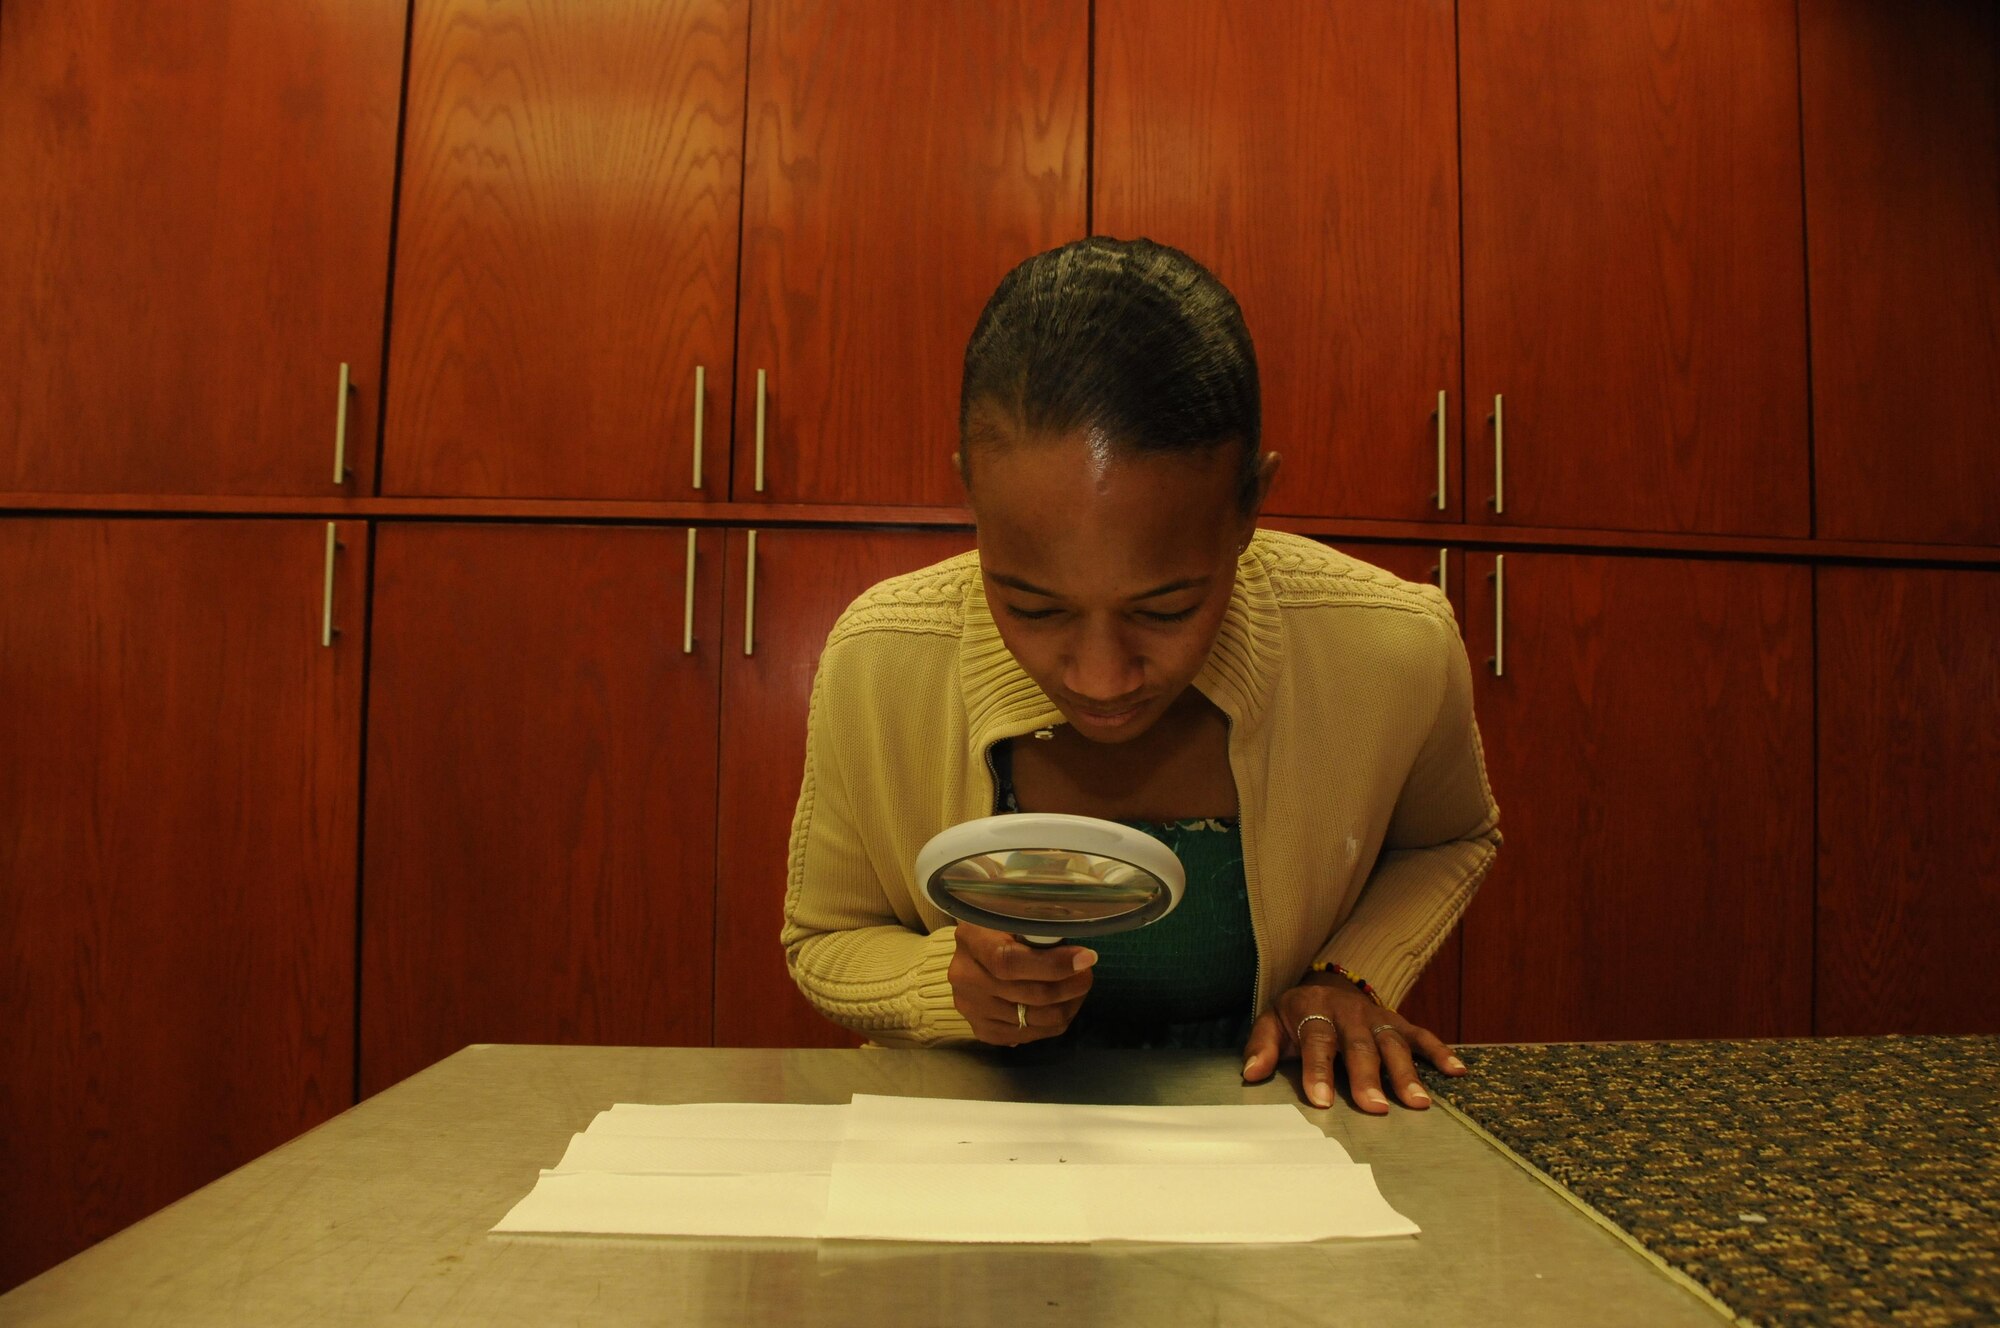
{"x":1020,"y":1014}
{"x":1299,"y":1033}
{"x":1381,"y":1028}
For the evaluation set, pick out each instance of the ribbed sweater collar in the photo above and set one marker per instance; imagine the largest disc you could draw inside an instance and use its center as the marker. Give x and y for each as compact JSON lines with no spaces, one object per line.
{"x":1002,"y":701}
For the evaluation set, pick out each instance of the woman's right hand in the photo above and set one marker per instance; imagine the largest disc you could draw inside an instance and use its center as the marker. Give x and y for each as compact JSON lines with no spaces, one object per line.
{"x":998,"y":981}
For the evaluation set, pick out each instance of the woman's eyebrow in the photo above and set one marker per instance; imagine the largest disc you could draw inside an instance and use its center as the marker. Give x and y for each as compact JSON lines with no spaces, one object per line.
{"x":1025,"y":587}
{"x":1185,"y":583}
{"x":1171,"y":587}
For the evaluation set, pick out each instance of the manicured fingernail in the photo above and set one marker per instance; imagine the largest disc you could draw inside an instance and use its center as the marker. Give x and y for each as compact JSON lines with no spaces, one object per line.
{"x":1246,"y":1068}
{"x":1084,"y":959}
{"x":1321,"y":1095}
{"x":1454,"y":1062}
{"x":1417,"y":1092}
{"x":1374,"y":1096}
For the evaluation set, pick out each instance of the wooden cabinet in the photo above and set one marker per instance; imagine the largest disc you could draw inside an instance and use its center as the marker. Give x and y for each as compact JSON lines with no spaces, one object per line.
{"x":1909,"y":846}
{"x":1634,"y":274}
{"x":580,"y":784}
{"x":1649,"y":740}
{"x":1902,"y":163}
{"x":1307,"y":152}
{"x":541,"y":791}
{"x":554,"y":851}
{"x":178,"y":820}
{"x":566,"y":256}
{"x":902,"y":156}
{"x":804,"y":579}
{"x":194,"y":236}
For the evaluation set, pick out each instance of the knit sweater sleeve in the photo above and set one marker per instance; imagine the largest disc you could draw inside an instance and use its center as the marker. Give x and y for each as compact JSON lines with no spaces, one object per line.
{"x":853,"y":957}
{"x":1442,"y":839}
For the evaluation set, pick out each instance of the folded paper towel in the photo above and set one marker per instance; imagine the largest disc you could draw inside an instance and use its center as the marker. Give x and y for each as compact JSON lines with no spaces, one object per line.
{"x":930,"y":1169}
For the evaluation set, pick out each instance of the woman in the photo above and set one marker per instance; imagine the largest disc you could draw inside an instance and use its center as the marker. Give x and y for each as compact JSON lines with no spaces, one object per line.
{"x":1126,"y":644}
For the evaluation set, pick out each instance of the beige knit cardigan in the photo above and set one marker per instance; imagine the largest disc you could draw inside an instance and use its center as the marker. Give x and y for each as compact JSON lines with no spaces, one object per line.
{"x":1361,"y":787}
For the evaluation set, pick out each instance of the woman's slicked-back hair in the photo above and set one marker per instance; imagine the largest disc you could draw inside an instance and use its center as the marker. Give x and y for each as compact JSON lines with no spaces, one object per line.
{"x":1128,"y":337}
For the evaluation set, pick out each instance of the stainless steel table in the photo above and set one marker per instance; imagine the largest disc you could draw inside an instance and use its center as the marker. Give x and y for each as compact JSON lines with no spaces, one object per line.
{"x":381,"y":1216}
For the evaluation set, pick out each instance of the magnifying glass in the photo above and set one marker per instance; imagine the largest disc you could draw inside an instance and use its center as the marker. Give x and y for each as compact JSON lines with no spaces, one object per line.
{"x":1048,"y":877}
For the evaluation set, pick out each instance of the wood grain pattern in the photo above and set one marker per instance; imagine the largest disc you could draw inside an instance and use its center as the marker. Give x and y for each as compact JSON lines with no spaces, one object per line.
{"x":804,"y":579}
{"x":178,"y":821}
{"x":1909,"y":845}
{"x":1651,"y":749}
{"x":902,"y":157}
{"x":1634,"y":281}
{"x":194,"y":233}
{"x":1902,"y":160}
{"x":567,"y":250}
{"x":1307,"y":152}
{"x":1433,"y":1001}
{"x":541,"y":792}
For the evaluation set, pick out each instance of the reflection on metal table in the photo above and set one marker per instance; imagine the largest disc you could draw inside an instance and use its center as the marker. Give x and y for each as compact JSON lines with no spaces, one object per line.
{"x":382,"y":1215}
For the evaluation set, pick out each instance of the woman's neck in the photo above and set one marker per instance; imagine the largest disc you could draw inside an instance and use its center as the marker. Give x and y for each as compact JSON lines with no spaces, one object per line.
{"x":1176,"y":770}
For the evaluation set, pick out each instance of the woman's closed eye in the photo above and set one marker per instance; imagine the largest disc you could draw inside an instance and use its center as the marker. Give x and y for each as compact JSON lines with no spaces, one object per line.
{"x":1144,"y":615}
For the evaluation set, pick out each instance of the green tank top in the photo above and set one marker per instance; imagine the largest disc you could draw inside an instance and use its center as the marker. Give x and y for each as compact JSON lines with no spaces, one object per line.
{"x":1188,"y":979}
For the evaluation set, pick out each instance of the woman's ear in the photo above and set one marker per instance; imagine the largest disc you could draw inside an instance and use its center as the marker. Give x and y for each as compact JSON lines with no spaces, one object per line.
{"x":1267,"y":474}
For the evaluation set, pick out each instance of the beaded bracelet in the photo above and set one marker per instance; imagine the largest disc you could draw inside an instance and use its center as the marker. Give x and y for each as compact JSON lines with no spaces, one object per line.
{"x":1328,"y":966}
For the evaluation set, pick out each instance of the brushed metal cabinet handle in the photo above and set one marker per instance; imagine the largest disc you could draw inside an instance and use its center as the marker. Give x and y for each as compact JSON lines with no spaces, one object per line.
{"x":1499,"y":455}
{"x":760,"y":431}
{"x":750,"y":598}
{"x":1440,"y":440}
{"x":1500,"y":615}
{"x":700,"y":400}
{"x":327,"y":631}
{"x":687,"y":600}
{"x":341,"y":470}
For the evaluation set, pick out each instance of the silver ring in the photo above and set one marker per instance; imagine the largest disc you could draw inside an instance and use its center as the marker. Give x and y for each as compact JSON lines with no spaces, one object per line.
{"x":1299,"y":1033}
{"x":1381,"y":1028}
{"x":1020,"y":1014}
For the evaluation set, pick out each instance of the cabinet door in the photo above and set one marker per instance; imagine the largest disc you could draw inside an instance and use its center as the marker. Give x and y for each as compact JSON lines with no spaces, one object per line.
{"x":1307,"y":152}
{"x":1909,"y":845}
{"x":1902,"y":159}
{"x":1649,"y":738}
{"x":541,"y":791}
{"x":803,"y":579}
{"x":194,"y":236}
{"x":1634,"y":274}
{"x":566,"y":257}
{"x":1433,"y":1002}
{"x":178,"y":820}
{"x":902,"y":156}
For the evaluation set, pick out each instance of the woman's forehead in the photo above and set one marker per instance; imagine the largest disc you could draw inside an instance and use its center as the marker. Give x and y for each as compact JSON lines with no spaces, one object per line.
{"x":1063,"y":514}
{"x":1089,"y":463}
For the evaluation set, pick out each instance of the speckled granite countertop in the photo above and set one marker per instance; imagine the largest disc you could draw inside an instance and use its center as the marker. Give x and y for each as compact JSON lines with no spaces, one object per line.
{"x":1829,"y":1181}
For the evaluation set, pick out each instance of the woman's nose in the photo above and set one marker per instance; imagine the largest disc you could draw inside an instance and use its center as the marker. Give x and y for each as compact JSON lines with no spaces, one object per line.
{"x":1101,"y":667}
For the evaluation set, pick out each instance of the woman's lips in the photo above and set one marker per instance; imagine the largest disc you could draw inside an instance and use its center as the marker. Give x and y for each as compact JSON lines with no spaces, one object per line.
{"x":1109,"y":718}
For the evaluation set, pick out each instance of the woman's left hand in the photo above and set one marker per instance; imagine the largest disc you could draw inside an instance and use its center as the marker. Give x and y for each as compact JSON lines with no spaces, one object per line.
{"x":1370,"y":1038}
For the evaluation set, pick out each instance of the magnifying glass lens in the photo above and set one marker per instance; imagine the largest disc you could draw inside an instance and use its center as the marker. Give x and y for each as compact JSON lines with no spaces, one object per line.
{"x":1047,"y":876}
{"x":1049,"y":885}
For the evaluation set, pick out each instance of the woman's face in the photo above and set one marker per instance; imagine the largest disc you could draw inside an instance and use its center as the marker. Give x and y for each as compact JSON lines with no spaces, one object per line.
{"x":1108,"y":574}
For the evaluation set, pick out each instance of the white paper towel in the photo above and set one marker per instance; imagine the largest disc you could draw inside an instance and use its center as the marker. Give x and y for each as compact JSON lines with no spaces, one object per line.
{"x":930,"y":1169}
